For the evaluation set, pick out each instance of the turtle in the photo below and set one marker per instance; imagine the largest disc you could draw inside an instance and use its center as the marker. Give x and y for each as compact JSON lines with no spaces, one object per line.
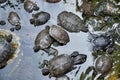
{"x":103,"y":64}
{"x":14,"y":19}
{"x":40,"y":18}
{"x":60,"y":65}
{"x":30,"y":6}
{"x":70,"y":22}
{"x":48,"y":36}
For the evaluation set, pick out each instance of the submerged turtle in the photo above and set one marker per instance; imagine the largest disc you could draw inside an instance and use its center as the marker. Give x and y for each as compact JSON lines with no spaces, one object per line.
{"x":62,"y":64}
{"x":70,"y":21}
{"x":30,"y":6}
{"x":103,"y":64}
{"x":8,"y":48}
{"x":40,"y":18}
{"x":14,"y":19}
{"x":102,"y":42}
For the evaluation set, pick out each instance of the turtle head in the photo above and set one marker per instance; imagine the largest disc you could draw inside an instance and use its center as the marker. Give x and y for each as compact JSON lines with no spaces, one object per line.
{"x":32,"y":21}
{"x":36,"y":48}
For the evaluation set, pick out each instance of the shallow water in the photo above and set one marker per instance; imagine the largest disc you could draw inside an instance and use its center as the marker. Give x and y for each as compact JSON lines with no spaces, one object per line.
{"x":25,"y":66}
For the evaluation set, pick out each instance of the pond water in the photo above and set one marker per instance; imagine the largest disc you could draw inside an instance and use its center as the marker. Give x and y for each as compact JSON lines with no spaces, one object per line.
{"x":25,"y":66}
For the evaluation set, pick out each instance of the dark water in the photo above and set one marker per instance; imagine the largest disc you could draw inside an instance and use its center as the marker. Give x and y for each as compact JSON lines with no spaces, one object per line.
{"x":25,"y":66}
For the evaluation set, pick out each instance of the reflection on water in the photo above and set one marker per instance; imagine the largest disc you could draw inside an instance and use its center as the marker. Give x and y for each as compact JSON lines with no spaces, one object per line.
{"x":25,"y":66}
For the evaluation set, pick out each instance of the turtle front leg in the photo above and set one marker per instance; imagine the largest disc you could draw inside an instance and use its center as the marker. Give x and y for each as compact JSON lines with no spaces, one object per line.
{"x":51,"y":51}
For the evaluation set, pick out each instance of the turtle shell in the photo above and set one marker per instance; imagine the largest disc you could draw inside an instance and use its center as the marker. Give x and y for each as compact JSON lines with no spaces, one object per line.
{"x":69,"y":21}
{"x":13,"y":18}
{"x":40,"y":18}
{"x":59,"y":34}
{"x":60,"y":65}
{"x":43,"y":39}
